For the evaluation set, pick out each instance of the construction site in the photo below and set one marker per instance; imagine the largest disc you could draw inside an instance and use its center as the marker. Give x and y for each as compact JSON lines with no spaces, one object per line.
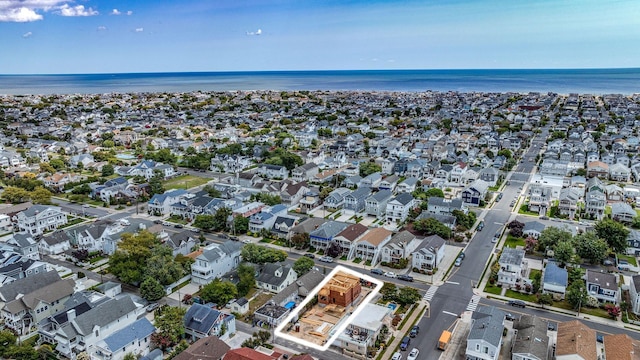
{"x":333,"y":304}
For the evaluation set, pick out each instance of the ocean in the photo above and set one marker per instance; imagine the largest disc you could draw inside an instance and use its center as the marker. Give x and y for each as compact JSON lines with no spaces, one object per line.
{"x":563,"y":81}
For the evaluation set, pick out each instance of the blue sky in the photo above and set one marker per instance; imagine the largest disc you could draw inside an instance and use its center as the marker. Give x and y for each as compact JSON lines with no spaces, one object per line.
{"x":94,"y":36}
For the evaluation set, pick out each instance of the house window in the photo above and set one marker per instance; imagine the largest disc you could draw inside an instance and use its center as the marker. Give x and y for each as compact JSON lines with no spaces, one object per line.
{"x":485,"y":350}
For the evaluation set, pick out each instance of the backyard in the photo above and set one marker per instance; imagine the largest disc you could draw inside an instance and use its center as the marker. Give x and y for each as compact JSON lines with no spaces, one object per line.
{"x":513,"y":241}
{"x":184,"y":182}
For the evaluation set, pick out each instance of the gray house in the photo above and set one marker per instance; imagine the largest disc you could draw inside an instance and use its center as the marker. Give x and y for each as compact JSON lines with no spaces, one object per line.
{"x":485,"y":336}
{"x":355,"y":201}
{"x":376,"y":204}
{"x":335,"y":199}
{"x":531,"y":341}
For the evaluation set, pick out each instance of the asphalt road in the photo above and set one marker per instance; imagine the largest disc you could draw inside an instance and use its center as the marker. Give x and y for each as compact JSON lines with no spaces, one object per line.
{"x":80,"y":209}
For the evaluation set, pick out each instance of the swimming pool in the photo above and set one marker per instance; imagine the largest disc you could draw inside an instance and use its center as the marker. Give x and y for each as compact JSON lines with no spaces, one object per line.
{"x":392,"y":306}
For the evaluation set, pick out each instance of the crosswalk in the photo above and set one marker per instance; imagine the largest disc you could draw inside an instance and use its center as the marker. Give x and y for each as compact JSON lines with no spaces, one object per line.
{"x":430,"y":293}
{"x":473,"y":303}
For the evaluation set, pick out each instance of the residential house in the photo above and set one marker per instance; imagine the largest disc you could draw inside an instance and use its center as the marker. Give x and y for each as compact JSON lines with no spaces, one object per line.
{"x":206,"y":348}
{"x":475,"y":193}
{"x":614,"y":193}
{"x":22,"y":313}
{"x":619,"y":172}
{"x":273,"y":171}
{"x":240,"y":306}
{"x":266,"y":218}
{"x":576,"y":341}
{"x":93,"y":236}
{"x":54,"y":244}
{"x":84,"y":159}
{"x":160,"y":204}
{"x":300,"y":289}
{"x":371,"y":181}
{"x":533,"y":229}
{"x":457,"y":172}
{"x":634,"y":294}
{"x":389,"y":183}
{"x":81,"y":332}
{"x":400,"y":247}
{"x":568,"y":201}
{"x":251,"y":354}
{"x":133,"y":339}
{"x":621,"y":346}
{"x":309,"y":202}
{"x":449,"y":220}
{"x":25,"y":245}
{"x":531,"y":341}
{"x":270,"y":314}
{"x":19,"y":287}
{"x":201,"y":321}
{"x":429,"y":254}
{"x":398,"y":207}
{"x":5,"y":224}
{"x":39,"y":219}
{"x":215,"y":261}
{"x":274,"y":277}
{"x":376,"y":204}
{"x":335,"y":199}
{"x":597,"y":169}
{"x":442,"y":206}
{"x":485,"y":335}
{"x":602,"y":286}
{"x":291,"y":193}
{"x":324,"y":233}
{"x":594,"y":199}
{"x":147,"y":169}
{"x":283,"y":225}
{"x":555,"y":280}
{"x":362,"y":333}
{"x":369,"y":246}
{"x":540,"y":198}
{"x":304,"y":172}
{"x":355,"y":201}
{"x":623,"y":212}
{"x":513,"y":267}
{"x":409,"y":185}
{"x":489,"y":175}
{"x":182,"y":242}
{"x":57,"y":181}
{"x":347,"y":239}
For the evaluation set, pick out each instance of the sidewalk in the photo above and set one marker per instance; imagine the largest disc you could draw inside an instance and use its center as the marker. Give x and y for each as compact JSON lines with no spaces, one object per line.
{"x":402,"y":332}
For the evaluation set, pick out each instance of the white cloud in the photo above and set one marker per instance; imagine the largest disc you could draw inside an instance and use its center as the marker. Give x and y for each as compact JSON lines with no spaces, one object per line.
{"x":252,"y":33}
{"x":129,"y":12}
{"x":21,"y":14}
{"x":102,"y":28}
{"x":139,"y":29}
{"x":115,"y":12}
{"x":27,"y":34}
{"x":78,"y":10}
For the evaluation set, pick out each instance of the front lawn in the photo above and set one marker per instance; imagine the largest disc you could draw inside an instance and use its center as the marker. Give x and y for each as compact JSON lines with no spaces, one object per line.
{"x":521,"y":296}
{"x":513,"y":241}
{"x":492,"y":289}
{"x":533,"y":272}
{"x":524,"y":210}
{"x":630,"y":259}
{"x":184,"y":182}
{"x":177,"y":220}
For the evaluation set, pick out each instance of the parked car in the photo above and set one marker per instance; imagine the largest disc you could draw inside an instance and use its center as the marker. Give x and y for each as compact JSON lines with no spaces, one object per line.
{"x":480,"y":226}
{"x":458,"y":262}
{"x":406,"y":341}
{"x":390,"y":274}
{"x":178,"y":226}
{"x":544,"y":218}
{"x":246,"y":241}
{"x":509,"y":317}
{"x":413,"y":355}
{"x":518,"y":303}
{"x":152,"y":307}
{"x":327,"y":259}
{"x":461,"y":255}
{"x":310,"y":255}
{"x":223,"y":235}
{"x":377,"y":271}
{"x":405,"y":278}
{"x":415,"y":330}
{"x":234,"y":238}
{"x":157,"y":221}
{"x":397,"y":356}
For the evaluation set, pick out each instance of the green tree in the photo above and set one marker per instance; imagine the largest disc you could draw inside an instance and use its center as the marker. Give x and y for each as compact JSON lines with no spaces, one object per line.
{"x":577,"y":294}
{"x":240,"y":224}
{"x":545,"y":299}
{"x":57,"y":164}
{"x":575,"y":274}
{"x":432,"y":226}
{"x":220,"y":219}
{"x":563,"y":251}
{"x":204,"y":222}
{"x":614,"y":233}
{"x":257,"y":254}
{"x":590,"y":247}
{"x":162,"y":266}
{"x":41,"y":196}
{"x":388,"y":291}
{"x":506,"y":153}
{"x":15,"y":195}
{"x":22,"y":352}
{"x":301,"y":240}
{"x":551,"y":236}
{"x":219,"y":292}
{"x":211,"y":191}
{"x":7,"y":341}
{"x":267,"y":199}
{"x":247,"y":279}
{"x":46,"y":167}
{"x":407,"y":295}
{"x":107,"y":170}
{"x":435,"y":192}
{"x":170,"y":326}
{"x":151,"y":289}
{"x":368,"y":168}
{"x":128,"y":263}
{"x":155,"y":183}
{"x":303,"y":265}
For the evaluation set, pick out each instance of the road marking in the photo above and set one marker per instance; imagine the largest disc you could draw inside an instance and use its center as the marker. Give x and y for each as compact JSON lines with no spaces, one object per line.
{"x":452,"y":282}
{"x":449,"y":313}
{"x":429,"y":295}
{"x":473,"y":303}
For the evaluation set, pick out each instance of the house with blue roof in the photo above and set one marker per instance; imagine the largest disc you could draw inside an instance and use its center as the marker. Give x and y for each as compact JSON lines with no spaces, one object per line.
{"x":322,"y":236}
{"x":555,"y":280}
{"x":266,"y":218}
{"x":134,"y":339}
{"x":201,"y":321}
{"x":160,"y":204}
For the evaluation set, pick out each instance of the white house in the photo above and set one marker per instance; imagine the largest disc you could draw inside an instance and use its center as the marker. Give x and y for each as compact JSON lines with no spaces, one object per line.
{"x":133,"y":339}
{"x":555,"y":280}
{"x":274,"y":277}
{"x":160,"y":204}
{"x":398,"y":207}
{"x":634,"y":292}
{"x":485,"y":335}
{"x":273,"y":171}
{"x":602,"y":286}
{"x":40,"y":218}
{"x":429,"y":254}
{"x":401,"y":246}
{"x":215,"y":261}
{"x":513,"y":267}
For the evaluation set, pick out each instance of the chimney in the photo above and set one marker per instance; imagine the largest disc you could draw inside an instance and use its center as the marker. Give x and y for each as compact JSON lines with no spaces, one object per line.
{"x":71,"y":314}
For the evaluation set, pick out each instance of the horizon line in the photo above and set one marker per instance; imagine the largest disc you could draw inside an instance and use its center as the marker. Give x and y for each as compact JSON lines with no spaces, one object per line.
{"x":321,"y":71}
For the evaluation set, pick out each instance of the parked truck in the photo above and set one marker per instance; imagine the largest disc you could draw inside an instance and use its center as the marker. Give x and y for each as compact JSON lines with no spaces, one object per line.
{"x":444,"y":339}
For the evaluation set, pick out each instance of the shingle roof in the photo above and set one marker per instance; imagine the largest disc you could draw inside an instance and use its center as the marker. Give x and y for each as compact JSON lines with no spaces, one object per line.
{"x":534,"y":225}
{"x":136,"y":331}
{"x":531,"y":338}
{"x":555,"y":275}
{"x":201,"y":318}
{"x":487,"y":325}
{"x":329,"y":229}
{"x":512,"y":256}
{"x":403,"y":198}
{"x":621,"y":347}
{"x":574,"y":337}
{"x":605,"y":280}
{"x":9,"y":291}
{"x":103,"y":314}
{"x":207,"y":348}
{"x":353,"y":231}
{"x":268,"y":274}
{"x":380,"y":195}
{"x":375,"y":236}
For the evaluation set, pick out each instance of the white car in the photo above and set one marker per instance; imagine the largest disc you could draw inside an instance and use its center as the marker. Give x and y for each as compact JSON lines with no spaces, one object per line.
{"x":390,"y":274}
{"x":246,"y":241}
{"x":413,"y":355}
{"x":327,"y":259}
{"x":397,"y":356}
